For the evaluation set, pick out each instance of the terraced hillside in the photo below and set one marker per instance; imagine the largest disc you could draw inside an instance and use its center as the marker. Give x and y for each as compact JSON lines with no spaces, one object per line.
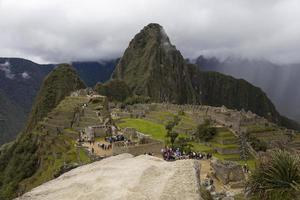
{"x":57,"y":147}
{"x":224,"y":145}
{"x":231,"y":125}
{"x":273,"y":136}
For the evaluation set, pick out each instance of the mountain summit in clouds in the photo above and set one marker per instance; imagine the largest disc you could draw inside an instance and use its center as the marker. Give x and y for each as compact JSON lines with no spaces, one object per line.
{"x":151,"y":66}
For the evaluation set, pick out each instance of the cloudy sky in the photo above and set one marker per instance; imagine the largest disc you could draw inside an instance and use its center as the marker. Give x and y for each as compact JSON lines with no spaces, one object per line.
{"x":62,"y":31}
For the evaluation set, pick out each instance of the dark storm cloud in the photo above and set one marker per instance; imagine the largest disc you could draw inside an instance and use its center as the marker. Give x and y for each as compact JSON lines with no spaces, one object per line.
{"x":57,"y":31}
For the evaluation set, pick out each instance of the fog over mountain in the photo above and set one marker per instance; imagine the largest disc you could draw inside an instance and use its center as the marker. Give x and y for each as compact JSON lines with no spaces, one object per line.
{"x":61,"y":31}
{"x":280,"y":82}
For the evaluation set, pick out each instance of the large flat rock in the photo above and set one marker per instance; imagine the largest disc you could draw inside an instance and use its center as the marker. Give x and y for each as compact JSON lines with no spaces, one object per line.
{"x":124,"y":177}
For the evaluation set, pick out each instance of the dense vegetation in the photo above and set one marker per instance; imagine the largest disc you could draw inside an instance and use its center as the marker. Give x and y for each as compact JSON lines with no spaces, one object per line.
{"x":276,"y":178}
{"x":257,"y":144}
{"x":12,"y":118}
{"x":18,"y":161}
{"x":115,"y":90}
{"x":172,"y":134}
{"x":205,"y":132}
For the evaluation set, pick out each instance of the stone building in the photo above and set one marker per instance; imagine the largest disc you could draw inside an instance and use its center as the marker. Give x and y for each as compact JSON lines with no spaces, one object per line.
{"x":97,"y":131}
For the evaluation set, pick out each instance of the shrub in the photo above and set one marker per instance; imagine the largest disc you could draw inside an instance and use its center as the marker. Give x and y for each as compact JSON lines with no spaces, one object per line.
{"x":183,"y":144}
{"x":136,"y":99}
{"x":115,"y":90}
{"x":276,"y":178}
{"x":169,"y":126}
{"x":257,"y":144}
{"x":205,"y":132}
{"x":181,"y":112}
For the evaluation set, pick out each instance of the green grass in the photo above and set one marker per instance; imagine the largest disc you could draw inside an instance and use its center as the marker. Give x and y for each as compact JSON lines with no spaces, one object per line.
{"x":225,"y":146}
{"x":221,"y":132}
{"x":161,"y":117}
{"x":227,"y":156}
{"x":201,"y":147}
{"x":157,"y":131}
{"x":251,"y":163}
{"x":84,"y":158}
{"x":260,"y":128}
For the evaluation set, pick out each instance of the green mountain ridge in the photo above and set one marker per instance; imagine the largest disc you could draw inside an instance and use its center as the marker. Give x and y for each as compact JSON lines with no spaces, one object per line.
{"x":9,"y":124}
{"x":53,"y":90}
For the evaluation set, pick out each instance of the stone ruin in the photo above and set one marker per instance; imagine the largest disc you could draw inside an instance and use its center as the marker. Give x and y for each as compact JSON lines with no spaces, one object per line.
{"x":227,"y":171}
{"x":91,"y":132}
{"x":139,"y":144}
{"x":233,"y":119}
{"x":82,"y":92}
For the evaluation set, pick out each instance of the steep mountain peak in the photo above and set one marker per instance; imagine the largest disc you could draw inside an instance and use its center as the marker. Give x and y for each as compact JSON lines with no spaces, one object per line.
{"x":152,"y":34}
{"x":151,"y":66}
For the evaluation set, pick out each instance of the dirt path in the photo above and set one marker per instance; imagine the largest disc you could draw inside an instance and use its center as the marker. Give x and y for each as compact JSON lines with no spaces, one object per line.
{"x":207,"y":170}
{"x":98,"y":150}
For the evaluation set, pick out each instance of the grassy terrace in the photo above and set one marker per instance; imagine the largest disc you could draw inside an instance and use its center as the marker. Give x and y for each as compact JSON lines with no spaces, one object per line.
{"x":157,"y":130}
{"x":260,"y":128}
{"x":160,"y":117}
{"x":55,"y":151}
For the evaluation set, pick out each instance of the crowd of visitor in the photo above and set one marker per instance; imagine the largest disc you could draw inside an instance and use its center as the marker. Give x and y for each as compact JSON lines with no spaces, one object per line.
{"x":176,"y":154}
{"x":245,"y":168}
{"x":115,"y":138}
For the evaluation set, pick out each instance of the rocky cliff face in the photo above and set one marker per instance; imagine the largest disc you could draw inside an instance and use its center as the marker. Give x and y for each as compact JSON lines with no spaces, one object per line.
{"x":152,"y":66}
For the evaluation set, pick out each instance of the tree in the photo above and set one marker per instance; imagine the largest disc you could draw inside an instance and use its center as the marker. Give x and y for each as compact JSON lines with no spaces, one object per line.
{"x":116,"y":90}
{"x":172,"y":135}
{"x":183,"y":144}
{"x":169,"y":127}
{"x":205,"y":132}
{"x":276,"y":178}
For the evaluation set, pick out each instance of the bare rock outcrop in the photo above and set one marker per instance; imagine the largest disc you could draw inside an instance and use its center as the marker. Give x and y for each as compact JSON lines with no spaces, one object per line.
{"x":124,"y":177}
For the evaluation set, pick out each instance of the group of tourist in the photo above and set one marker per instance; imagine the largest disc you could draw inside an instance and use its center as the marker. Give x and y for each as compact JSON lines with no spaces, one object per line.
{"x":245,"y":168}
{"x":115,"y":138}
{"x":177,"y":154}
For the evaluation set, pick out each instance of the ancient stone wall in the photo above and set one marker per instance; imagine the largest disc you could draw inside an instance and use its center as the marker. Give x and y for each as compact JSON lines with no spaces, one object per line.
{"x":138,"y":149}
{"x":224,"y":151}
{"x":227,"y":171}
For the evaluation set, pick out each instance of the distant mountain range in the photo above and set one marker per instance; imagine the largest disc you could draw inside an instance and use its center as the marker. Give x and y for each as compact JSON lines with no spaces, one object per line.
{"x":280,"y":82}
{"x":20,"y":81}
